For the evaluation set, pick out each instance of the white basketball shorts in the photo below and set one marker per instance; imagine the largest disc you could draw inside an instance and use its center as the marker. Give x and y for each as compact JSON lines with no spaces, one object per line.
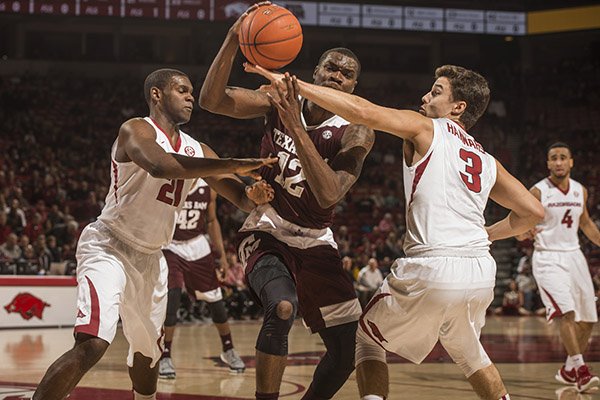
{"x":114,"y":279}
{"x":565,"y":284}
{"x":408,"y":315}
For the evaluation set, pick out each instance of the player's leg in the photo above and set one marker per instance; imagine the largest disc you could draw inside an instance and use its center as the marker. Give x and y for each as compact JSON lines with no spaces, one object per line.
{"x":272,"y":281}
{"x":584,"y":333}
{"x":337,"y":363}
{"x":64,"y":374}
{"x":143,"y":313}
{"x":372,"y":373}
{"x":101,"y":281}
{"x":487,"y":383}
{"x":166,"y":368}
{"x":219,"y":316}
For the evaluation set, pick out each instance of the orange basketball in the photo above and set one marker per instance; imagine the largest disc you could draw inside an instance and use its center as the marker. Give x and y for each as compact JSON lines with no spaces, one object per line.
{"x":270,"y":36}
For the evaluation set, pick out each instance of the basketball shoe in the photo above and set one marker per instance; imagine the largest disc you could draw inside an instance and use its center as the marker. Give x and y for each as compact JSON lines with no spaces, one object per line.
{"x":231,"y":358}
{"x":585,"y":379}
{"x":566,"y":377}
{"x":166,"y":369}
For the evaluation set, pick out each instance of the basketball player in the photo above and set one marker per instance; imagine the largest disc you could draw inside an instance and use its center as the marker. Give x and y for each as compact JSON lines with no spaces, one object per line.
{"x":291,"y":260}
{"x":191,"y":262}
{"x":559,"y":267}
{"x":443,"y":288}
{"x":121,"y":270}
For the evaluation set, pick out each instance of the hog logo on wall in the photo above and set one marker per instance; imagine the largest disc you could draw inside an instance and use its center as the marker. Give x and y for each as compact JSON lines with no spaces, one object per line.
{"x":27,"y":305}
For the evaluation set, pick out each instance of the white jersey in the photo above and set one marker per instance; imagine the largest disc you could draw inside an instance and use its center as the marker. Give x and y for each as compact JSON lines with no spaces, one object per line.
{"x":140,"y":209}
{"x":446,"y":193}
{"x":563,"y":210}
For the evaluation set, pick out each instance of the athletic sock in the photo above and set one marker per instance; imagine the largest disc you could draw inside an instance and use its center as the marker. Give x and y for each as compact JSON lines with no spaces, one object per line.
{"x":267,"y":396}
{"x":574,"y":362}
{"x":227,"y":342}
{"x":167,"y":351}
{"x":372,"y":397}
{"x":137,"y":396}
{"x":505,"y":397}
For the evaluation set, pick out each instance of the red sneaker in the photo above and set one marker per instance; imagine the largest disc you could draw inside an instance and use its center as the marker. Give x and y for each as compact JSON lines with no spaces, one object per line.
{"x":585,"y":380}
{"x":566,"y":377}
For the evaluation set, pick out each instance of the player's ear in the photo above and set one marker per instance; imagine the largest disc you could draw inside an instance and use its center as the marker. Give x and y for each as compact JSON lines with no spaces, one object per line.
{"x":155,"y":93}
{"x":315,"y":72}
{"x":459,"y":108}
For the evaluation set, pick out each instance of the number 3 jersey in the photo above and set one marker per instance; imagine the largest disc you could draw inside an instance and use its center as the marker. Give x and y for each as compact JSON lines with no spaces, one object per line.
{"x":446,"y":193}
{"x":294,"y":200}
{"x":140,"y":209}
{"x":561,"y":222}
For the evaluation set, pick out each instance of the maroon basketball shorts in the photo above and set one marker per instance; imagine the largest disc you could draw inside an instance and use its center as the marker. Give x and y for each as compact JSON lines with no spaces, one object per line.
{"x":326,"y":295}
{"x":197,"y":276}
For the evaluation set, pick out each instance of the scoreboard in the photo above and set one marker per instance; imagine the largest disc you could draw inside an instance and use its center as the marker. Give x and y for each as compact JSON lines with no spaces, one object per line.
{"x":309,"y":13}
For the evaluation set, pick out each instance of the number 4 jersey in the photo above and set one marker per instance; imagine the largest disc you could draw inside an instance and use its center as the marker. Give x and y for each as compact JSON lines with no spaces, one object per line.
{"x":446,"y":193}
{"x":563,"y":210}
{"x":140,"y":209}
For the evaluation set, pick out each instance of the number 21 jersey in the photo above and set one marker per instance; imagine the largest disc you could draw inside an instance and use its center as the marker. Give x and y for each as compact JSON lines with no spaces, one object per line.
{"x":446,"y":193}
{"x":140,"y":209}
{"x":561,"y":222}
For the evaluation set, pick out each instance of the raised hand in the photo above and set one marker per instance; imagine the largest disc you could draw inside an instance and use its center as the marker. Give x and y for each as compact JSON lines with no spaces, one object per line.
{"x":288,"y":104}
{"x":272,"y":76}
{"x":260,"y":192}
{"x":248,"y":166}
{"x":235,"y":28}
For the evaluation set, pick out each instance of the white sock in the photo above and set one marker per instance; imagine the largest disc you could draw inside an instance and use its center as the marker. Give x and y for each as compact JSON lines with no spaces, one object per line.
{"x":137,"y":396}
{"x":505,"y":397}
{"x":575,"y":361}
{"x":371,"y":397}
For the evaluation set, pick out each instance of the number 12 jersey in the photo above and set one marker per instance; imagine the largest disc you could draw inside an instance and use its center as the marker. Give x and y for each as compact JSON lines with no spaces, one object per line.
{"x":446,"y":193}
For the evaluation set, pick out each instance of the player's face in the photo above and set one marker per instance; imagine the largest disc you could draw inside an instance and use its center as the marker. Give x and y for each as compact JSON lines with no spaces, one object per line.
{"x":437,"y":103}
{"x":337,"y":71}
{"x":178,"y":100}
{"x":560,"y":162}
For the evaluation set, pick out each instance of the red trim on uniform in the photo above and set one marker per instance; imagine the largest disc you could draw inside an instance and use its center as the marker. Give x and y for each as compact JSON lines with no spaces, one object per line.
{"x":177,"y":145}
{"x":565,"y":192}
{"x":93,"y":326}
{"x":418,"y":173}
{"x":116,"y":177}
{"x":162,"y":334}
{"x":361,"y":321}
{"x":38,"y":281}
{"x":557,"y":312}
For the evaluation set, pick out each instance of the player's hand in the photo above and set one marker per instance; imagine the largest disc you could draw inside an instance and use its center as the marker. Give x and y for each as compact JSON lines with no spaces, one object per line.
{"x":260,"y":192}
{"x":530,"y":234}
{"x":248,"y":166}
{"x":273,"y":76}
{"x":235,"y":28}
{"x":288,"y":104}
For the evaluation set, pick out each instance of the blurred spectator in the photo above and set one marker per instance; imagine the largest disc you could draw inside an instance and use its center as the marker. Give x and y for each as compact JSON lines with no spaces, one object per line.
{"x":369,"y":280}
{"x":5,"y":229}
{"x":10,"y":251}
{"x":16,"y":217}
{"x":386,"y":225}
{"x":55,"y":250}
{"x":35,"y":227}
{"x":512,"y":301}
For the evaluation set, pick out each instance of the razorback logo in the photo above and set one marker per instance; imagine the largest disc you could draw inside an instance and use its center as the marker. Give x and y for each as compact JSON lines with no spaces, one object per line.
{"x":27,"y":305}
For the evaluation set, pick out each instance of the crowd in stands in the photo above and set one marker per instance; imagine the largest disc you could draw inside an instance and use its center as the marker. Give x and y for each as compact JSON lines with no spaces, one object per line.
{"x":54,"y":172}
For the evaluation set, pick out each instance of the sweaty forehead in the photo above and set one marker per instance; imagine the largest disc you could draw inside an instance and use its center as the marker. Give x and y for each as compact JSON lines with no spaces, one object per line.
{"x":442,"y":82}
{"x":341,"y":60}
{"x":178,"y":80}
{"x":559,"y":151}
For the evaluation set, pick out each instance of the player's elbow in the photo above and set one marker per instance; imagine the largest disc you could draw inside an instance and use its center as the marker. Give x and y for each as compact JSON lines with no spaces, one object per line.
{"x":208,"y":102}
{"x":326,"y":201}
{"x":538,"y":212}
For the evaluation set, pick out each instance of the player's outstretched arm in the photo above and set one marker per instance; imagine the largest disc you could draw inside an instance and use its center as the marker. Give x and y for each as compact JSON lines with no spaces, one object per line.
{"x":137,"y":143}
{"x":329,"y":182}
{"x":233,"y":189}
{"x":530,"y":234}
{"x":526,"y":210}
{"x":406,"y":124}
{"x":216,"y":96}
{"x":586,"y":223}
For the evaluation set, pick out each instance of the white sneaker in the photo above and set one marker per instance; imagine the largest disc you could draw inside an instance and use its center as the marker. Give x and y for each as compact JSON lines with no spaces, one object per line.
{"x":166,"y":369}
{"x":231,"y":358}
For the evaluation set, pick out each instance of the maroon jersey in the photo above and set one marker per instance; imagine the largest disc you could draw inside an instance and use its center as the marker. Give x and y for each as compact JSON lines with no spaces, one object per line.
{"x":294,"y":200}
{"x":191,"y":220}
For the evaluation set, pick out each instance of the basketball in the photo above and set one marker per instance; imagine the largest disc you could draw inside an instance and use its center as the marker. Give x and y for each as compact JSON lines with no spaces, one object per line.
{"x":270,"y":36}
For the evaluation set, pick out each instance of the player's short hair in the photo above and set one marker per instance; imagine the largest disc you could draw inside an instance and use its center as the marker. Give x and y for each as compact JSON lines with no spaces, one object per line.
{"x":467,"y":86}
{"x":344,"y":51}
{"x":559,"y":145}
{"x":160,"y":79}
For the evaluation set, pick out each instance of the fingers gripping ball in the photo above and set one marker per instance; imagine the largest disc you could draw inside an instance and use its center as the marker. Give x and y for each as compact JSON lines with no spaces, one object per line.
{"x":270,"y":36}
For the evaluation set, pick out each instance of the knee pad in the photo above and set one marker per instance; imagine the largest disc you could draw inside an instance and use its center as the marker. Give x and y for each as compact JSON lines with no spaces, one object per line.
{"x":218,"y":313}
{"x":173,"y":303}
{"x":280,"y":302}
{"x":367,"y":349}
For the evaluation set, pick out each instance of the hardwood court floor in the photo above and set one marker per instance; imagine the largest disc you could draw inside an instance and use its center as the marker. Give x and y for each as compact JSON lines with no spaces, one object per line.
{"x":526,"y":351}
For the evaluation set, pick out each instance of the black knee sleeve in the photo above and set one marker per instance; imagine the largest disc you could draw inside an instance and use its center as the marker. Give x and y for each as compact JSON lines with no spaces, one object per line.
{"x":337,"y":364}
{"x":280,"y":302}
{"x":218,"y":313}
{"x":173,"y":303}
